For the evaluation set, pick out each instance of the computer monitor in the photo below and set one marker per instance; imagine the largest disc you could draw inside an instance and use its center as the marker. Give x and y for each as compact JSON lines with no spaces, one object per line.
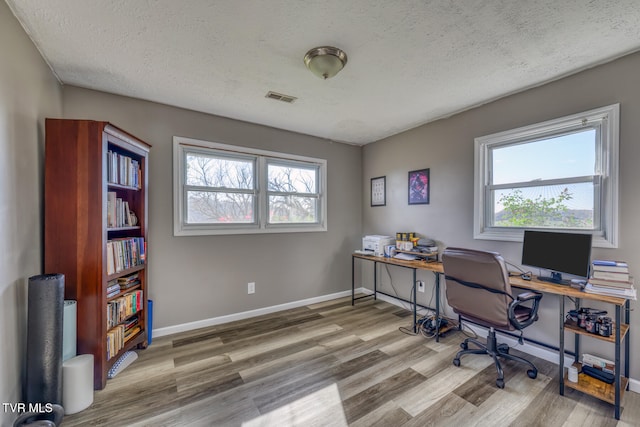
{"x":568,"y":253}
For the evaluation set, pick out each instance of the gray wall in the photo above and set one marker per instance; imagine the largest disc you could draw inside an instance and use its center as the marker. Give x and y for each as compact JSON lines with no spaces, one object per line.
{"x":196,"y":278}
{"x":28,"y":93}
{"x":446,"y":147}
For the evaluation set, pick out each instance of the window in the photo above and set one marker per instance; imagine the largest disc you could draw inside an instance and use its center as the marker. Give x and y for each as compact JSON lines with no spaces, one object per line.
{"x":560,"y":175}
{"x":223,"y":189}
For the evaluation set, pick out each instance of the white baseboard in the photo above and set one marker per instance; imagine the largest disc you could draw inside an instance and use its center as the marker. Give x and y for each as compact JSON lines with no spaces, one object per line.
{"x":542,"y":353}
{"x":160,"y":332}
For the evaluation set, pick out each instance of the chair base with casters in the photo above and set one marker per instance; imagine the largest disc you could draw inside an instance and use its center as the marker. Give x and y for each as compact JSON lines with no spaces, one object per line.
{"x":495,"y":350}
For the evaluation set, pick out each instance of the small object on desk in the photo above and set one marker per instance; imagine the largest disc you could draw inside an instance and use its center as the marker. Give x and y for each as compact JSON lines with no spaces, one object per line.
{"x":405,"y":256}
{"x":525,"y":276}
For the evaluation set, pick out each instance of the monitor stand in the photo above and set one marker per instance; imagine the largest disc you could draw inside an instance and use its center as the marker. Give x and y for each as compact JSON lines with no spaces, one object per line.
{"x":554,"y":278}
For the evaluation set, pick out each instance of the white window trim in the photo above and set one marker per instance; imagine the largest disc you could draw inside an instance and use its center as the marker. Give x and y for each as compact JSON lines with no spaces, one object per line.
{"x":610,"y":165}
{"x":180,"y":228}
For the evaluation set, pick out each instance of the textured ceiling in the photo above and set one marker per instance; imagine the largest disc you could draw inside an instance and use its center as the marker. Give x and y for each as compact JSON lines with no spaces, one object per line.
{"x":410,"y":62}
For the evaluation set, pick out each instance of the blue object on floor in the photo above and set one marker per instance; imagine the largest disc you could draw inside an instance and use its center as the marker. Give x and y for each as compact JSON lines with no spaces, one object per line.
{"x":149,"y":321}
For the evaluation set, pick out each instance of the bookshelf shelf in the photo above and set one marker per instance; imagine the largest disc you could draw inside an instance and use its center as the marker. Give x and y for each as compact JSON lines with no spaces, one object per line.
{"x":118,"y":229}
{"x":89,"y":165}
{"x":124,"y":292}
{"x":126,"y":272}
{"x":114,"y":186}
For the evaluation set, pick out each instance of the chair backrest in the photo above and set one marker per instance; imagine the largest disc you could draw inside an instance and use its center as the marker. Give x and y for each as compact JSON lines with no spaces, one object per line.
{"x":478,"y":303}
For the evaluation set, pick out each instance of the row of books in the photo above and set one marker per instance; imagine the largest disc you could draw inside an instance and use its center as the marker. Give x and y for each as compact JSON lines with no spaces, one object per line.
{"x":118,"y":337}
{"x":121,"y":308}
{"x":115,"y":341}
{"x":118,"y":212}
{"x":611,"y":278}
{"x":598,"y":363}
{"x":123,"y":170}
{"x":116,"y":286}
{"x":113,"y":288}
{"x":125,"y":253}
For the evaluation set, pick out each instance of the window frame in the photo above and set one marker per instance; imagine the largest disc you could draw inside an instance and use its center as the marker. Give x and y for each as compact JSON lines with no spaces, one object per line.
{"x":183,"y":145}
{"x":606,"y":121}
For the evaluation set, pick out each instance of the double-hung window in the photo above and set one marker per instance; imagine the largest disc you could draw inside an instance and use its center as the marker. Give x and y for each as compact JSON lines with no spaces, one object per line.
{"x":223,"y":189}
{"x":560,"y":175}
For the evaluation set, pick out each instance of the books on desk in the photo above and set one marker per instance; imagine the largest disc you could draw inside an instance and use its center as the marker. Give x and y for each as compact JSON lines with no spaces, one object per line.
{"x":611,"y":278}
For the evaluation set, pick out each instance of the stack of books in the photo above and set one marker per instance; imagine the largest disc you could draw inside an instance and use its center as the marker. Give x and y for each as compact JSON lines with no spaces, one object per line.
{"x":611,"y":278}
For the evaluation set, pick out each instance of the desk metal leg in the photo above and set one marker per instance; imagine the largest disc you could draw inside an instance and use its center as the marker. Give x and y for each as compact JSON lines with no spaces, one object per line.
{"x":576,"y":337}
{"x":375,"y":280}
{"x":353,"y":280}
{"x":437,"y":306}
{"x":561,"y":352}
{"x":626,"y":340}
{"x":617,"y":365}
{"x":415,"y":303}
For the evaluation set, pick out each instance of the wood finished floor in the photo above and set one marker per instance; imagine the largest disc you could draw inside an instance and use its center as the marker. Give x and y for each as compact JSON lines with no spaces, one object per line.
{"x":332,"y":364}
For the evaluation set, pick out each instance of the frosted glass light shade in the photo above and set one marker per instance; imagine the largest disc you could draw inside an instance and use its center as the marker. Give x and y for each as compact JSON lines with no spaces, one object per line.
{"x":326,"y":61}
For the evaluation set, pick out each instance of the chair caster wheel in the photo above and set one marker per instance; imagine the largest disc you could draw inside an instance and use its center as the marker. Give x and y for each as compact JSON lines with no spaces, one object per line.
{"x":532,"y":374}
{"x":503,"y":348}
{"x":456,"y":362}
{"x":500,"y":383}
{"x":464,"y":345}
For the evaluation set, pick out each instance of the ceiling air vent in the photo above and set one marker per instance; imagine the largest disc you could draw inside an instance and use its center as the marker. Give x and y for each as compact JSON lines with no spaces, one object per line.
{"x":280,"y":97}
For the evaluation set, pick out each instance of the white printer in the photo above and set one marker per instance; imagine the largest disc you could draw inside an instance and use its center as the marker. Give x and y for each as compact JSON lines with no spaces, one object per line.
{"x":376,"y":243}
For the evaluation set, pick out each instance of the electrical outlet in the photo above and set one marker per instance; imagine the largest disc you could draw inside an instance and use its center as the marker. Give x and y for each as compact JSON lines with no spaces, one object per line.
{"x":251,"y":287}
{"x":420,"y":286}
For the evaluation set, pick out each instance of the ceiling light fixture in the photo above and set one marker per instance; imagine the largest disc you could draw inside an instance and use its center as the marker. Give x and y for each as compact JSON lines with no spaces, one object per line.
{"x":326,"y":61}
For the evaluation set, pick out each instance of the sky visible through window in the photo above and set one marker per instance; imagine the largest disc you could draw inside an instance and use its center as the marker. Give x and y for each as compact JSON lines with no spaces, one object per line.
{"x":559,"y":157}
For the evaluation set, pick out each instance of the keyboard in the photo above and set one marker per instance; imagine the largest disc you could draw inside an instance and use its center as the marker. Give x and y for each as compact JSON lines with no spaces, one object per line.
{"x":406,"y":257}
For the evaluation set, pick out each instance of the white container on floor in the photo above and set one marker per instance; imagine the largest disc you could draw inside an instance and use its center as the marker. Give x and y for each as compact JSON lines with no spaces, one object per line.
{"x":77,"y":383}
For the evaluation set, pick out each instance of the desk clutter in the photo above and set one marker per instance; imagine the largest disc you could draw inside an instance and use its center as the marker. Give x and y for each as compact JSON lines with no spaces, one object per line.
{"x":410,"y":246}
{"x":611,"y":278}
{"x":596,"y":367}
{"x":406,"y":246}
{"x":592,"y":320}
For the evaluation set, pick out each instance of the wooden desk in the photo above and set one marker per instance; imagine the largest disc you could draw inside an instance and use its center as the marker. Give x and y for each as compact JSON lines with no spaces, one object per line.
{"x":434,"y":267}
{"x":611,"y":393}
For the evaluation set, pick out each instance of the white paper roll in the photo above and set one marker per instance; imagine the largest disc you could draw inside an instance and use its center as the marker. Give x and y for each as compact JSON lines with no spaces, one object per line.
{"x":69,"y":330}
{"x":77,"y":383}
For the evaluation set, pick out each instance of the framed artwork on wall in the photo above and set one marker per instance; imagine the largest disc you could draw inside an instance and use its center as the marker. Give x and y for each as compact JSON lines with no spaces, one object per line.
{"x":419,"y":187}
{"x":378,"y":191}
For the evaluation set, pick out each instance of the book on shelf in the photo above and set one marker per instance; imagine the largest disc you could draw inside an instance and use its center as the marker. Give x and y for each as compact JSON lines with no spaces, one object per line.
{"x":610,"y":266}
{"x":623,"y":284}
{"x":616,"y":276}
{"x":123,"y":307}
{"x":598,"y":363}
{"x":610,"y":291}
{"x":128,"y":281}
{"x":123,"y":170}
{"x":126,"y":252}
{"x":118,"y":212}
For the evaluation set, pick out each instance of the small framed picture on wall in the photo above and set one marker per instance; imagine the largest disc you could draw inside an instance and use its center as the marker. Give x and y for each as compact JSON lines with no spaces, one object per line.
{"x":419,"y":187}
{"x":378,"y":191}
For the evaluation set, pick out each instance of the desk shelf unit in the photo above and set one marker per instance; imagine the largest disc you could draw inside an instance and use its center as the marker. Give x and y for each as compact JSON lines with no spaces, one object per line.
{"x":593,"y":386}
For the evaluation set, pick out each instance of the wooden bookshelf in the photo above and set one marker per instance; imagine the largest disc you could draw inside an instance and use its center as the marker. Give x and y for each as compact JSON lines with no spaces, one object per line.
{"x":79,"y":166}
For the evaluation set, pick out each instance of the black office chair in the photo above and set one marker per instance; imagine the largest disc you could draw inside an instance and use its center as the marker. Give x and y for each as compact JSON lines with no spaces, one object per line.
{"x":478,"y":290}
